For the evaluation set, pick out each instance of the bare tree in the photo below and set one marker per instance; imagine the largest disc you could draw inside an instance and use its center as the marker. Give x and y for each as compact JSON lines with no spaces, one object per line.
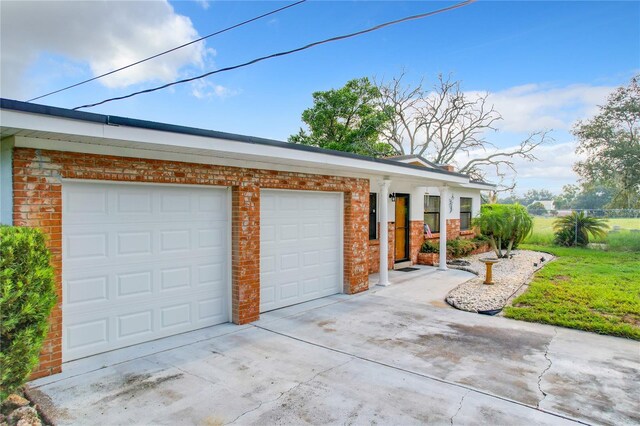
{"x":445,"y":123}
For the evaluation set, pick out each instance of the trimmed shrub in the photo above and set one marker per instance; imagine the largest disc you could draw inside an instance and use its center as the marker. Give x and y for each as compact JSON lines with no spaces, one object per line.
{"x":480,"y":238}
{"x":429,"y":247}
{"x":455,"y":248}
{"x":460,"y":247}
{"x":27,"y":295}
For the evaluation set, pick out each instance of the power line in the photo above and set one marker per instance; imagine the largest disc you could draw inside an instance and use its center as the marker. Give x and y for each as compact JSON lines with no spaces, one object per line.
{"x":170,"y":50}
{"x":284,"y":53}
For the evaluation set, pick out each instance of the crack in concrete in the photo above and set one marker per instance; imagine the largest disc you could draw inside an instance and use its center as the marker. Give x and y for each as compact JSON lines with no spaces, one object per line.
{"x":459,"y":406}
{"x":550,"y":363}
{"x":291,"y":389}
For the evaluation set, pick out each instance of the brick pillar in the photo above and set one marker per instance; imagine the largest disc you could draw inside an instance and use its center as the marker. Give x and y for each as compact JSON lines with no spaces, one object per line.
{"x":37,"y":203}
{"x":416,"y":238}
{"x":356,"y":240}
{"x":245,"y":253}
{"x":453,"y":229}
{"x":392,"y":245}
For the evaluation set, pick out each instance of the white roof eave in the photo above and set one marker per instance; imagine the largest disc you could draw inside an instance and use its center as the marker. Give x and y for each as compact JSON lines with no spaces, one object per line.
{"x":51,"y":127}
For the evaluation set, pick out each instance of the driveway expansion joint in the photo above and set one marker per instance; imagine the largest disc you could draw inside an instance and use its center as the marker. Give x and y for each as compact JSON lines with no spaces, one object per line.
{"x":429,"y":377}
{"x":291,"y":389}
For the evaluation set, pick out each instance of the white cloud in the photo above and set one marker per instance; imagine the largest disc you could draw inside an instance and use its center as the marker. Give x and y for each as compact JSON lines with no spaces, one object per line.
{"x":534,"y":107}
{"x":102,"y":34}
{"x":203,"y":4}
{"x":203,"y":89}
{"x":553,"y":169}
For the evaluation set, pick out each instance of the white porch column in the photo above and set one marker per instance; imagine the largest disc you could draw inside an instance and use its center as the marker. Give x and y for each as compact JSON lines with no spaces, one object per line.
{"x":383,"y":207}
{"x":444,"y":210}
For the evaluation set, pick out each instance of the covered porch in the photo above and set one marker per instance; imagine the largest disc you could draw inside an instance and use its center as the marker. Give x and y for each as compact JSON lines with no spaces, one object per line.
{"x":403,"y":213}
{"x":426,"y":284}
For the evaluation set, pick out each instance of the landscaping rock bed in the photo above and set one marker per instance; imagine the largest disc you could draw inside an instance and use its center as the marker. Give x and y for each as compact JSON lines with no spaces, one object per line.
{"x":18,"y":411}
{"x":509,"y":275}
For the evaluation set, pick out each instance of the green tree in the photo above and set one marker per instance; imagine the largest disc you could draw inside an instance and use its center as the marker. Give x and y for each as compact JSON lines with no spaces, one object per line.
{"x":505,"y":225}
{"x":611,"y":143}
{"x":574,"y":230}
{"x":347,"y":119}
{"x":536,"y":208}
{"x":594,"y":196}
{"x":534,"y":195}
{"x":567,"y":197}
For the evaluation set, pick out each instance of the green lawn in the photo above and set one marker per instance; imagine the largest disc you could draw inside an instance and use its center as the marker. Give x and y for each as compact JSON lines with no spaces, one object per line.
{"x":622,"y":240}
{"x":590,"y":290}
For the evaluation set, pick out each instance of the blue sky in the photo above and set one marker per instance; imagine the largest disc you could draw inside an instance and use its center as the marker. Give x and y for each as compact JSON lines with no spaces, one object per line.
{"x":545,"y":64}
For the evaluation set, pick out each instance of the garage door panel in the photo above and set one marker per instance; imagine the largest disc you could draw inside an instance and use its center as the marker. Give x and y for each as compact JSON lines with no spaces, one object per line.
{"x":141,"y":262}
{"x":300,"y":245}
{"x":310,"y":286}
{"x":131,"y":284}
{"x":134,"y":243}
{"x":131,"y":203}
{"x":87,"y":245}
{"x":131,"y":243}
{"x":89,"y":290}
{"x":211,"y":308}
{"x":134,"y":324}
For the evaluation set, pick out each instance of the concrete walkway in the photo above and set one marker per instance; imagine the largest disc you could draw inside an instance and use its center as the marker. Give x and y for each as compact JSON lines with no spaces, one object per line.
{"x":392,"y":355}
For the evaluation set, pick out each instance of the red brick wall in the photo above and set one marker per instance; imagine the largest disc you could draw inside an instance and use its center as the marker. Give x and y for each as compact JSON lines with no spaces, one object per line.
{"x":374,"y":256}
{"x":37,"y":190}
{"x":453,"y":232}
{"x":392,"y":245}
{"x":245,"y":253}
{"x":416,"y":238}
{"x":374,"y":250}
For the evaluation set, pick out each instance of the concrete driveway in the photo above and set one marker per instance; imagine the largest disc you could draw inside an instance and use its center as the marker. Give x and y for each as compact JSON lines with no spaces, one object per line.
{"x":395,"y":355}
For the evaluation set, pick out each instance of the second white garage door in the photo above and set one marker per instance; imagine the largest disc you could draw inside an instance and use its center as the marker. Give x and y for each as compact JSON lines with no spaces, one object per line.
{"x":300,"y":247}
{"x":141,"y":262}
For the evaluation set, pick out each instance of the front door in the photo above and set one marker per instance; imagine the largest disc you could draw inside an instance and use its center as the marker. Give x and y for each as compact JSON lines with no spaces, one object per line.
{"x":402,"y":227}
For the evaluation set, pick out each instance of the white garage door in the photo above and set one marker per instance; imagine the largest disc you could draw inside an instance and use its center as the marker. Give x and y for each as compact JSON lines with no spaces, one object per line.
{"x":141,"y":262}
{"x":300,"y":247}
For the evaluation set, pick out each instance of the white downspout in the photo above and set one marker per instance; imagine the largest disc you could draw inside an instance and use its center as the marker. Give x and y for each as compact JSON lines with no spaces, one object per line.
{"x":444,"y":207}
{"x":384,"y":232}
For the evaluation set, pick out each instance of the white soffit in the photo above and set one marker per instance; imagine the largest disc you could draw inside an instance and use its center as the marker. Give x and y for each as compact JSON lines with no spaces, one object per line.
{"x":63,"y":129}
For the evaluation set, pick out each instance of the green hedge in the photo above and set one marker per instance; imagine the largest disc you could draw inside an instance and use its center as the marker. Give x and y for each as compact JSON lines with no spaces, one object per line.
{"x":455,"y":248}
{"x":27,"y":295}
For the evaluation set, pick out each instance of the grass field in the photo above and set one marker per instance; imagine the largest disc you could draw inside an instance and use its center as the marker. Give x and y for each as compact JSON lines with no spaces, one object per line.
{"x":586,"y":289}
{"x":622,"y":240}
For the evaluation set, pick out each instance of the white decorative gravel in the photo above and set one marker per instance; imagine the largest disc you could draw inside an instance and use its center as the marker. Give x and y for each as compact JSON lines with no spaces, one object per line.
{"x":508,"y":276}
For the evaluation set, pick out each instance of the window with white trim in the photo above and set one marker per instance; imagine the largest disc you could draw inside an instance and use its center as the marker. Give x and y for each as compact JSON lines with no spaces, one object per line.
{"x":432,"y":213}
{"x":465,"y":213}
{"x":373,"y":216}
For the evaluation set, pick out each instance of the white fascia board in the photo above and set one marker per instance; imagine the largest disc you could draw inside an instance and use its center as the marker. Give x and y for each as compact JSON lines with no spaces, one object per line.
{"x":480,"y":186}
{"x":291,"y":156}
{"x":178,"y":142}
{"x":50,"y":124}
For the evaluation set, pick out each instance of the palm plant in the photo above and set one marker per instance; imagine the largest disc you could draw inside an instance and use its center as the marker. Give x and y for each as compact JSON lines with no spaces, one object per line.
{"x":519,"y":226}
{"x":504,"y":224}
{"x":574,"y":230}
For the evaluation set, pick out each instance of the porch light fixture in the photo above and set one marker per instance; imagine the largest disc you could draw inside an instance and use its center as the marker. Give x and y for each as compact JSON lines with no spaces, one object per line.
{"x":392,"y":196}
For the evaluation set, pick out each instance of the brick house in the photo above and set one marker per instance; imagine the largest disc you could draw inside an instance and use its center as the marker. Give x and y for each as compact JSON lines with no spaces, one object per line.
{"x":157,"y":229}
